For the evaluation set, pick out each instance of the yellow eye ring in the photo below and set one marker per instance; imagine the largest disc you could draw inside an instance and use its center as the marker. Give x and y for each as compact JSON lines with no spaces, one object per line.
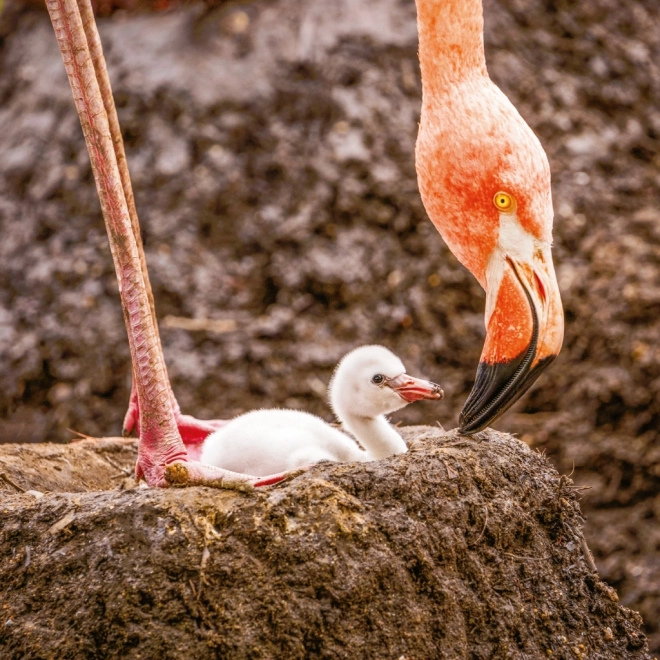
{"x":504,"y":202}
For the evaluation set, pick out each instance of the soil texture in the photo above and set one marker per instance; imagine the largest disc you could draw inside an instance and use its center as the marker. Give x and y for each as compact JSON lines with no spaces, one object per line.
{"x":462,"y":548}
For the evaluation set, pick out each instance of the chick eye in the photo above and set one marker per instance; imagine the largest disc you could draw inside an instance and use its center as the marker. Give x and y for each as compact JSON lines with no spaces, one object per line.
{"x":378,"y":379}
{"x":504,"y":202}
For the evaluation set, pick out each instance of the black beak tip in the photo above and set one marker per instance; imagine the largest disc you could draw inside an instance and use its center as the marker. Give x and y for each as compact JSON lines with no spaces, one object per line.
{"x":496,"y":388}
{"x":470,"y":428}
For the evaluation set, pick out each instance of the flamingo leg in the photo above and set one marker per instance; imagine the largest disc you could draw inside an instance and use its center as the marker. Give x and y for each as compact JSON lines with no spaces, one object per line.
{"x":162,"y":456}
{"x":193,"y":431}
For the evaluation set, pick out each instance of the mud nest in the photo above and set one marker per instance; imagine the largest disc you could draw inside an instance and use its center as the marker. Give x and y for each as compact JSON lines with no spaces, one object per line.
{"x":464,"y":547}
{"x":274,"y":176}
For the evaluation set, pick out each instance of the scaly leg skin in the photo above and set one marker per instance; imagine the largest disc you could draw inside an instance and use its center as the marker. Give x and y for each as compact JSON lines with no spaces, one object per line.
{"x":193,"y":431}
{"x":162,"y":456}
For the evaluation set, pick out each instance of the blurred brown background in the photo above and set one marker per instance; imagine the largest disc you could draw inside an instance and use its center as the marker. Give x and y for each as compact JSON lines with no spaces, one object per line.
{"x":271,"y":146}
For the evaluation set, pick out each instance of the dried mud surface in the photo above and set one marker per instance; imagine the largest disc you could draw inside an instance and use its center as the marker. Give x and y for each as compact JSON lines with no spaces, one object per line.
{"x":273,"y":168}
{"x":462,"y":548}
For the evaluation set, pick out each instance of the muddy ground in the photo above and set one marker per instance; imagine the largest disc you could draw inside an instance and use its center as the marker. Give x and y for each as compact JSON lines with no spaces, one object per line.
{"x":271,"y":148}
{"x":462,"y":548}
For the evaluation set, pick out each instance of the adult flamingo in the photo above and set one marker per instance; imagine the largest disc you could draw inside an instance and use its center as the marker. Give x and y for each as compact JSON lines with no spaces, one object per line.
{"x":485,"y":183}
{"x":163,"y":458}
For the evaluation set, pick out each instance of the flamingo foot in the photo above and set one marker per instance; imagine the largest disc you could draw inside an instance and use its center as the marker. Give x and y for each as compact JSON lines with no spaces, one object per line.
{"x":163,"y":461}
{"x":194,"y":431}
{"x":193,"y":473}
{"x":132,"y":416}
{"x":182,"y":472}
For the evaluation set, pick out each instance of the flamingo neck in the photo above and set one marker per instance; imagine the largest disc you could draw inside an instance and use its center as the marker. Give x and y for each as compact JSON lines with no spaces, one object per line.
{"x":376,"y":435}
{"x":451,"y":43}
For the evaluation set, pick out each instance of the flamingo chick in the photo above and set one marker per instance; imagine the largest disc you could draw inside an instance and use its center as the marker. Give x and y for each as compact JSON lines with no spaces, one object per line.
{"x":485,"y":183}
{"x":369,"y":383}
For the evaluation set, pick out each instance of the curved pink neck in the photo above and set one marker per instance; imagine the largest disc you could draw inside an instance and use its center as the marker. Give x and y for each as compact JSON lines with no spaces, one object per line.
{"x":451,"y":42}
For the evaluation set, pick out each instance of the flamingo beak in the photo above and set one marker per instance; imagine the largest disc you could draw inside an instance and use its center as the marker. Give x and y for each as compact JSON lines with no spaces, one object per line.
{"x":414,"y":389}
{"x":525,"y":330}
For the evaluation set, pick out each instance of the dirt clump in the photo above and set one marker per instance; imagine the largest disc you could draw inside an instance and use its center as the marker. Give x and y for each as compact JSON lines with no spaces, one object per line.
{"x":92,"y":464}
{"x":464,"y":547}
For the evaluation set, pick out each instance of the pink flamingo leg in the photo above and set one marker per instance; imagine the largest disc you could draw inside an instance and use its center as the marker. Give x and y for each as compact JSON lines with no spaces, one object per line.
{"x":192,"y":430}
{"x":162,"y":456}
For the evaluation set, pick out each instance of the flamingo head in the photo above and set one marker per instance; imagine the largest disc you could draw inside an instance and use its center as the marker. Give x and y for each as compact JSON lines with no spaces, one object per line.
{"x":371,"y":381}
{"x":485,"y":183}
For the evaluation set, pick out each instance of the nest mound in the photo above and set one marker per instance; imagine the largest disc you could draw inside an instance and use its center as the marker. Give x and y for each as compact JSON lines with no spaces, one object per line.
{"x":274,"y":176}
{"x":464,"y":547}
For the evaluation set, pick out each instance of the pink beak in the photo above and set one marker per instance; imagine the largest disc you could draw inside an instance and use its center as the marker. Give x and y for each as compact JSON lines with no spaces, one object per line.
{"x":414,"y":389}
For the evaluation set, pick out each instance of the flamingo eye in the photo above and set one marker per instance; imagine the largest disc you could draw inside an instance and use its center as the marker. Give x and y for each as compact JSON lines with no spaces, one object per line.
{"x":504,"y":202}
{"x":378,"y":379}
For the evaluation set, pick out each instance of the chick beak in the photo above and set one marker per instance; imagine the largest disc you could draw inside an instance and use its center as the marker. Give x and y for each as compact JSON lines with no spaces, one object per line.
{"x":414,"y":389}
